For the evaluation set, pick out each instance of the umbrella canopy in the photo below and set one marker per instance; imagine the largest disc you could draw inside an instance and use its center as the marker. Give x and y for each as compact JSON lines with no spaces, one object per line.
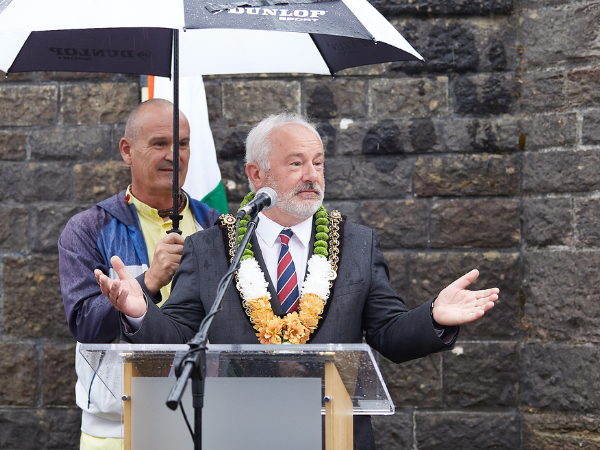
{"x":221,"y":38}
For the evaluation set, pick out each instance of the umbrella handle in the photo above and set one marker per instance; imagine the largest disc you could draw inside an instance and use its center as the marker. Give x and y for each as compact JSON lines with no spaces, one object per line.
{"x":175,"y":217}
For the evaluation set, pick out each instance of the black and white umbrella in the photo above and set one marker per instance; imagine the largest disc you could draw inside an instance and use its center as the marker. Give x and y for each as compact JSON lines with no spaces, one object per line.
{"x":254,"y":36}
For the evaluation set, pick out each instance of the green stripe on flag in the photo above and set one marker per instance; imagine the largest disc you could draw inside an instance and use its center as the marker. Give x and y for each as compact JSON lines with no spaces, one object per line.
{"x":217,"y":199}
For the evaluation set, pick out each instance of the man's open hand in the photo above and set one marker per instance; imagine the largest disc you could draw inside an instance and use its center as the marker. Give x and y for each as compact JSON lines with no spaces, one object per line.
{"x":457,"y":306}
{"x":126,"y":293}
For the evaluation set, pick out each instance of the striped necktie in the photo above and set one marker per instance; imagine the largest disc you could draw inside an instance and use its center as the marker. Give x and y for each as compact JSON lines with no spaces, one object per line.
{"x":287,"y":282}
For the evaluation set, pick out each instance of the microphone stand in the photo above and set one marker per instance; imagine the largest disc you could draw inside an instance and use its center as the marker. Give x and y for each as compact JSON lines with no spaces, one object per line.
{"x":193,"y":364}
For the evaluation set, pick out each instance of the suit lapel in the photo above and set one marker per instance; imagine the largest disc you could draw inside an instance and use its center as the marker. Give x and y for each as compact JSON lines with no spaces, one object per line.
{"x":277,"y":310}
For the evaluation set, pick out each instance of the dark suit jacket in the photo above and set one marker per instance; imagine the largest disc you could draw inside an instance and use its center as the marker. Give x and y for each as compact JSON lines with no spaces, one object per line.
{"x":361,"y":300}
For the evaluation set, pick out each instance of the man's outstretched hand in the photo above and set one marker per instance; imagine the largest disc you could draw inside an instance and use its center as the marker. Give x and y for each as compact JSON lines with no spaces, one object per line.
{"x":126,"y":293}
{"x":457,"y":306}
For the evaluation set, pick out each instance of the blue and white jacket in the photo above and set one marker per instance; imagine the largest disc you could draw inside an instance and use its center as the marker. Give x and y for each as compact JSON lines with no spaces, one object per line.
{"x":88,"y":241}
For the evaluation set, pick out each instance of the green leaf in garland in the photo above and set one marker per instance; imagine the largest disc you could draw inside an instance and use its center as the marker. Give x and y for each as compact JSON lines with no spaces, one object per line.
{"x":322,"y":236}
{"x":321,"y":221}
{"x":321,"y":213}
{"x":320,"y":244}
{"x":321,"y":251}
{"x":243,"y":224}
{"x":322,"y":229}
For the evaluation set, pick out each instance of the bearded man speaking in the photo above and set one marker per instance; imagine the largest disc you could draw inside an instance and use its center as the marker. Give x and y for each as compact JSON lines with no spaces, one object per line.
{"x":277,"y":300}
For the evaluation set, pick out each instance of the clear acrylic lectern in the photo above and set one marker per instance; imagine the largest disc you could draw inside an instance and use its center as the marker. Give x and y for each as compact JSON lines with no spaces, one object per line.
{"x":256,"y":395}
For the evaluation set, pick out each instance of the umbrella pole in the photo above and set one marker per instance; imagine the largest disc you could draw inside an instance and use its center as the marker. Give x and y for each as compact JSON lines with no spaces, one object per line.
{"x":175,"y":217}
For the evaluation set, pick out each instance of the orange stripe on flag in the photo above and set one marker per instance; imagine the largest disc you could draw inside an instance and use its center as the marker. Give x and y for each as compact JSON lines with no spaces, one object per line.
{"x":150,"y":86}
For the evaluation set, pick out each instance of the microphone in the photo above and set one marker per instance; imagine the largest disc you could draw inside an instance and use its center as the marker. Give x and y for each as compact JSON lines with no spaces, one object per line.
{"x":264,"y":199}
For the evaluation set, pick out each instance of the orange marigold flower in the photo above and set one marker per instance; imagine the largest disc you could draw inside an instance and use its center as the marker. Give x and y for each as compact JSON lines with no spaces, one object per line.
{"x":259,"y":303}
{"x":296,"y":333}
{"x":262,"y":316}
{"x":271,"y":332}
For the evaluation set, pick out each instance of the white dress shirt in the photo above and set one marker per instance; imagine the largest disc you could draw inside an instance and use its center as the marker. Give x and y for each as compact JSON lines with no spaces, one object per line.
{"x":267,"y":234}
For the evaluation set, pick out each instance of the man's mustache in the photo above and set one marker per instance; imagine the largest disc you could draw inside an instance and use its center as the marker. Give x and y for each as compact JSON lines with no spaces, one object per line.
{"x":306,"y":187}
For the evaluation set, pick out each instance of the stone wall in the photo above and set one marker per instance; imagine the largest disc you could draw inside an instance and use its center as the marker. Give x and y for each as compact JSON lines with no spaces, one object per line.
{"x":484,"y":156}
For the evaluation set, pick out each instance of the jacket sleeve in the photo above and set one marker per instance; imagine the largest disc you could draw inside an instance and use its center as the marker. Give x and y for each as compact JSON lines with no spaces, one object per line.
{"x":390,"y":327}
{"x":180,"y":316}
{"x":90,"y":315}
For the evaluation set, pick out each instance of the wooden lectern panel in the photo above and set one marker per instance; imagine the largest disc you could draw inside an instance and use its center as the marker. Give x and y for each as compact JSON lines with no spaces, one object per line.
{"x":338,"y":412}
{"x":129,"y":371}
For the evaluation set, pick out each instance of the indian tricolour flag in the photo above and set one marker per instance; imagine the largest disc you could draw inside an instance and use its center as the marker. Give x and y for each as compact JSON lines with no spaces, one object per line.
{"x":203,"y":180}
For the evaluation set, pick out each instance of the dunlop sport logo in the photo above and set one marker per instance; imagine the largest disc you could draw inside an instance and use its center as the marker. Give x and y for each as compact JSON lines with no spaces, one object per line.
{"x":86,"y":54}
{"x":298,"y":15}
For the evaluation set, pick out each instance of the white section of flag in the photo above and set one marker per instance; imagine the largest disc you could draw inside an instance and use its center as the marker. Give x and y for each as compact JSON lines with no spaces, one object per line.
{"x":203,"y":174}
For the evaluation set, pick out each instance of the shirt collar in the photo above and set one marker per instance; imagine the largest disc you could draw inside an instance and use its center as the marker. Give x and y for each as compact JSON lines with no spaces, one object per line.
{"x":147,"y":211}
{"x":269,"y":230}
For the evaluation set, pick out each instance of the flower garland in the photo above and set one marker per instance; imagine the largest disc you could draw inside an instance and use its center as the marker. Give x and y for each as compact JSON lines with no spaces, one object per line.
{"x":295,"y":327}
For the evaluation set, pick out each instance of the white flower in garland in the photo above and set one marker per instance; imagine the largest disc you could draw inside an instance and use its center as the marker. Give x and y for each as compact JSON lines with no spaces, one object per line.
{"x":251,"y":280}
{"x":318,"y":277}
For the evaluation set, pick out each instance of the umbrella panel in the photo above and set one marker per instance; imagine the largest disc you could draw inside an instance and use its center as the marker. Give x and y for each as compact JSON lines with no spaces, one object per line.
{"x":329,"y":17}
{"x":340,"y":52}
{"x":144,"y":51}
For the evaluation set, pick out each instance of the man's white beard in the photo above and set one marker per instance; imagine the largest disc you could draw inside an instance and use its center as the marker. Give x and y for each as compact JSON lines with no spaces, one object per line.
{"x":289,"y":203}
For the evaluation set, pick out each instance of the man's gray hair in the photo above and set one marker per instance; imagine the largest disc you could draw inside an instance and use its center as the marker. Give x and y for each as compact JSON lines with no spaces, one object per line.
{"x":258,"y":142}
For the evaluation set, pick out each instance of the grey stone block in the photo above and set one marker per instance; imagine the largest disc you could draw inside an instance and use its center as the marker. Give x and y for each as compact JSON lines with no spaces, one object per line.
{"x":13,"y":228}
{"x":461,"y":175}
{"x":475,"y":223}
{"x":28,"y":429}
{"x":335,"y":98}
{"x":484,"y":94}
{"x":561,"y":171}
{"x":431,"y":272}
{"x":22,"y":106}
{"x":13,"y":146}
{"x":73,"y":143}
{"x":36,"y":182}
{"x":33,"y":305}
{"x":408,"y":97}
{"x":415,"y":383}
{"x":542,"y":91}
{"x":583,"y":86}
{"x":467,"y":431}
{"x":559,"y":431}
{"x":482,"y":374}
{"x":552,"y":130}
{"x":547,"y":221}
{"x":19,"y":374}
{"x":213,"y":101}
{"x":252,"y":101}
{"x":587,"y":222}
{"x":234,"y":179}
{"x":591,"y":128}
{"x":86,"y":104}
{"x":367,"y":177}
{"x":393,"y":432}
{"x":59,"y":375}
{"x":539,"y":24}
{"x":558,"y":288}
{"x":97,"y":181}
{"x":482,"y":135}
{"x":399,"y":224}
{"x":560,"y":377}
